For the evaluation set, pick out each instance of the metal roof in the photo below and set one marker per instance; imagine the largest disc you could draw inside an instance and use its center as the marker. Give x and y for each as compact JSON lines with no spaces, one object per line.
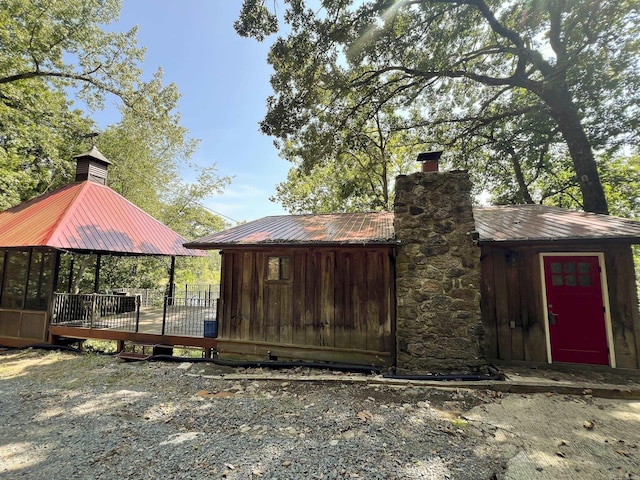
{"x":336,"y":228}
{"x":87,"y":216}
{"x":514,"y":223}
{"x":529,"y":223}
{"x":95,"y":154}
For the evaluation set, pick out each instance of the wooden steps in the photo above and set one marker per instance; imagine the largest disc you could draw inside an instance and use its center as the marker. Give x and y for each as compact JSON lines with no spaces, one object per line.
{"x":133,"y":356}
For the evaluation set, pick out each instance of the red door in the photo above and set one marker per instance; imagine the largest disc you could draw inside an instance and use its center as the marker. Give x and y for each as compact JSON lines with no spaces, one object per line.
{"x":576,"y":311}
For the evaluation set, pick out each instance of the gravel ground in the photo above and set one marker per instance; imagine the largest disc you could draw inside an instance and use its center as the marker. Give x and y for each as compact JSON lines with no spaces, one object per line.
{"x":92,"y":416}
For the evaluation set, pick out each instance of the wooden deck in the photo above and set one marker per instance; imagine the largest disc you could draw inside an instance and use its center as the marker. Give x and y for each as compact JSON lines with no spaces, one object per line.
{"x":184,"y":326}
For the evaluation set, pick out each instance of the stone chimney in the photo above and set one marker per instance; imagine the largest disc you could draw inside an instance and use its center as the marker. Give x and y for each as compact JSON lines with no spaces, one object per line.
{"x":92,"y":165}
{"x":439,"y":325}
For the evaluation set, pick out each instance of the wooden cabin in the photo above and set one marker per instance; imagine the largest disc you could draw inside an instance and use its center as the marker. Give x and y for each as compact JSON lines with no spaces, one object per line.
{"x":558,"y":286}
{"x":314,"y":287}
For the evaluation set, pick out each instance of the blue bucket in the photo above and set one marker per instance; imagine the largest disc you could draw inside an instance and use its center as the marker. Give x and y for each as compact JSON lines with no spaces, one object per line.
{"x":211,"y":328}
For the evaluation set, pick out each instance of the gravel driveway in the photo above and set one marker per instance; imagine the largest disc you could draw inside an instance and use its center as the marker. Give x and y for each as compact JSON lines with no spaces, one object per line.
{"x":90,"y":416}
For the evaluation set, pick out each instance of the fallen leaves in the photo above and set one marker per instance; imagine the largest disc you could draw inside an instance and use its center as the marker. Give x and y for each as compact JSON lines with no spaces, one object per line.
{"x":365,"y":415}
{"x":208,"y":394}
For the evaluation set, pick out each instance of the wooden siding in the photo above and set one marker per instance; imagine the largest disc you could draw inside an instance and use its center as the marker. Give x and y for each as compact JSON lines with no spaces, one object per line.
{"x":22,"y":324}
{"x":335,"y":298}
{"x":512,"y":306}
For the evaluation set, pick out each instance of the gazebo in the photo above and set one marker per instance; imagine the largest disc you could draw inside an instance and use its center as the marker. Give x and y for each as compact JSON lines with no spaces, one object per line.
{"x":84,"y":217}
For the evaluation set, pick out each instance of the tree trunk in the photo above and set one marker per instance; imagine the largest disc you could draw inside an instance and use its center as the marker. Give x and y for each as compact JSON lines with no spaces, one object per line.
{"x":563,"y":110}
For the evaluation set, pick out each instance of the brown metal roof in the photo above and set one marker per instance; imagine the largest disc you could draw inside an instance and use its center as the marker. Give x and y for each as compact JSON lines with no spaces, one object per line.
{"x":528,"y":223}
{"x":514,"y":223}
{"x":87,"y":216}
{"x":337,"y":228}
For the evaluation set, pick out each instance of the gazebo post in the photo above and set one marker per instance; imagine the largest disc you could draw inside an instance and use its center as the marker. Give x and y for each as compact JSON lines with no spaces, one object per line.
{"x":172,"y":275}
{"x":26,"y":280}
{"x":71,"y":265}
{"x":168,"y":295}
{"x":96,"y":278}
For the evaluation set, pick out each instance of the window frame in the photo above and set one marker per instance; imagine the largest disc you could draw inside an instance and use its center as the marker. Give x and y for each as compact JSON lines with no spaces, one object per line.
{"x":282,"y":268}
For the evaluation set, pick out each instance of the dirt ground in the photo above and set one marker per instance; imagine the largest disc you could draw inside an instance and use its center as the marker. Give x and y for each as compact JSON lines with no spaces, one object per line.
{"x":544,"y":435}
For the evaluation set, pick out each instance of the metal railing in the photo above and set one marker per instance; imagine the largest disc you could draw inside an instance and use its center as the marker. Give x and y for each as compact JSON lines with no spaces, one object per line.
{"x":190,"y":317}
{"x":115,"y":312}
{"x":149,"y":297}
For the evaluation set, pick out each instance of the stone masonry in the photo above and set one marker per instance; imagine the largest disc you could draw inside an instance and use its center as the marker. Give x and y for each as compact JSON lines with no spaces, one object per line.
{"x":439,"y":326}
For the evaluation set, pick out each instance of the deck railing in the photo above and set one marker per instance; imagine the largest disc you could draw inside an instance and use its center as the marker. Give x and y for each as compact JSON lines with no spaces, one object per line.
{"x":190,"y":317}
{"x":115,"y":312}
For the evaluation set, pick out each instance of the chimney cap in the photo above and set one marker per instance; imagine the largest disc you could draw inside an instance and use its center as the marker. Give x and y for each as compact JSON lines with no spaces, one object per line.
{"x":94,"y":154}
{"x":430,"y":156}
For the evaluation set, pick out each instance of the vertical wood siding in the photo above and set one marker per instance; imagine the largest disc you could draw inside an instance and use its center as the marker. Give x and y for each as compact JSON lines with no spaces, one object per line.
{"x":512,"y":308}
{"x":335,"y":298}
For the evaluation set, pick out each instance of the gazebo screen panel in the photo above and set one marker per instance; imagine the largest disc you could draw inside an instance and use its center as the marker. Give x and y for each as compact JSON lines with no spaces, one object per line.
{"x":20,"y":273}
{"x":40,"y":282}
{"x":14,"y":279}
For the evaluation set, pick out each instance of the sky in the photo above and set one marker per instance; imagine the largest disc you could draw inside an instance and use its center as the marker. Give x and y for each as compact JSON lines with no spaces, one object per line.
{"x":224,"y":81}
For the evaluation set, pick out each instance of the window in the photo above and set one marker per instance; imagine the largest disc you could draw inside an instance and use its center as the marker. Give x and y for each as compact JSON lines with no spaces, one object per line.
{"x":570,"y":274}
{"x":279,"y":268}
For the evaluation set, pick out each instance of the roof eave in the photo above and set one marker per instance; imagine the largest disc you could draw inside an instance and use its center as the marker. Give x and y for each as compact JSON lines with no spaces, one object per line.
{"x":220,"y":246}
{"x":554,"y":240}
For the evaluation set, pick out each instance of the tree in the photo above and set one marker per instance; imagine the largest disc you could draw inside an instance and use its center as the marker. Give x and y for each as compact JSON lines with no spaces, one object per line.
{"x":51,"y":50}
{"x":346,"y":167}
{"x":466,"y":63}
{"x":54,"y":50}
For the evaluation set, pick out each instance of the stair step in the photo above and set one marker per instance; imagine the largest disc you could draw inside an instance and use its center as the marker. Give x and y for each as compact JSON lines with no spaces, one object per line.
{"x":133,"y":356}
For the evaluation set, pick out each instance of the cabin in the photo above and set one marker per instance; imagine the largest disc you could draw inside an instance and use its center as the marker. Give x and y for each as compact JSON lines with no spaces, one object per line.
{"x":437,"y":285}
{"x":312,"y":287}
{"x":559,"y":286}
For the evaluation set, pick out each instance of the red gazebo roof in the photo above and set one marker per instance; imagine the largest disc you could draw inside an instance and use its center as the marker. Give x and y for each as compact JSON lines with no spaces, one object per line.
{"x":87,"y":216}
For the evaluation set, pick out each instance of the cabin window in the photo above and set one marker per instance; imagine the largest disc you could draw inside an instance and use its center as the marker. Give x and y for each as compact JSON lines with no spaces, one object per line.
{"x":279,"y":268}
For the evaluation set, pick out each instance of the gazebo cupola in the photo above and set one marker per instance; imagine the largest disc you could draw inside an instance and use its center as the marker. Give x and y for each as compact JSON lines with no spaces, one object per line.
{"x":92,"y":165}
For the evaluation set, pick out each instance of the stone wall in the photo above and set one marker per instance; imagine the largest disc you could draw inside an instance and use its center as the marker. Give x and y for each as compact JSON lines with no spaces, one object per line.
{"x":439,"y":326}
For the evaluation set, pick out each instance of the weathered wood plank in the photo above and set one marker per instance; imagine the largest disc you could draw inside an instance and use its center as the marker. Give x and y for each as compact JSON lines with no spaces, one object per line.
{"x":502,"y":308}
{"x":308,"y":352}
{"x":514,"y":306}
{"x":259,"y":331}
{"x":286,"y":312}
{"x":246,"y":299}
{"x":272,"y":313}
{"x":236,"y":294}
{"x":374,"y":332}
{"x":342,"y":330}
{"x":312,"y":300}
{"x":327,"y":298}
{"x":359,"y":300}
{"x":390,"y":302}
{"x":623,"y":301}
{"x":487,"y":304}
{"x":299,"y":297}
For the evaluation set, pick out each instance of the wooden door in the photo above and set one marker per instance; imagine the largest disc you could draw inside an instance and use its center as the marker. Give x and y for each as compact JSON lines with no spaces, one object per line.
{"x":575,"y":307}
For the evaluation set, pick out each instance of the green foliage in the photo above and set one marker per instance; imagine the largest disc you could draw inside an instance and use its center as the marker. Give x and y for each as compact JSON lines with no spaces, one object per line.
{"x":54,"y":50}
{"x":521,"y":93}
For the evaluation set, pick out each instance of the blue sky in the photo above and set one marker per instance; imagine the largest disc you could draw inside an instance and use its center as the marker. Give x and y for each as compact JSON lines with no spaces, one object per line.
{"x":224,"y":81}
